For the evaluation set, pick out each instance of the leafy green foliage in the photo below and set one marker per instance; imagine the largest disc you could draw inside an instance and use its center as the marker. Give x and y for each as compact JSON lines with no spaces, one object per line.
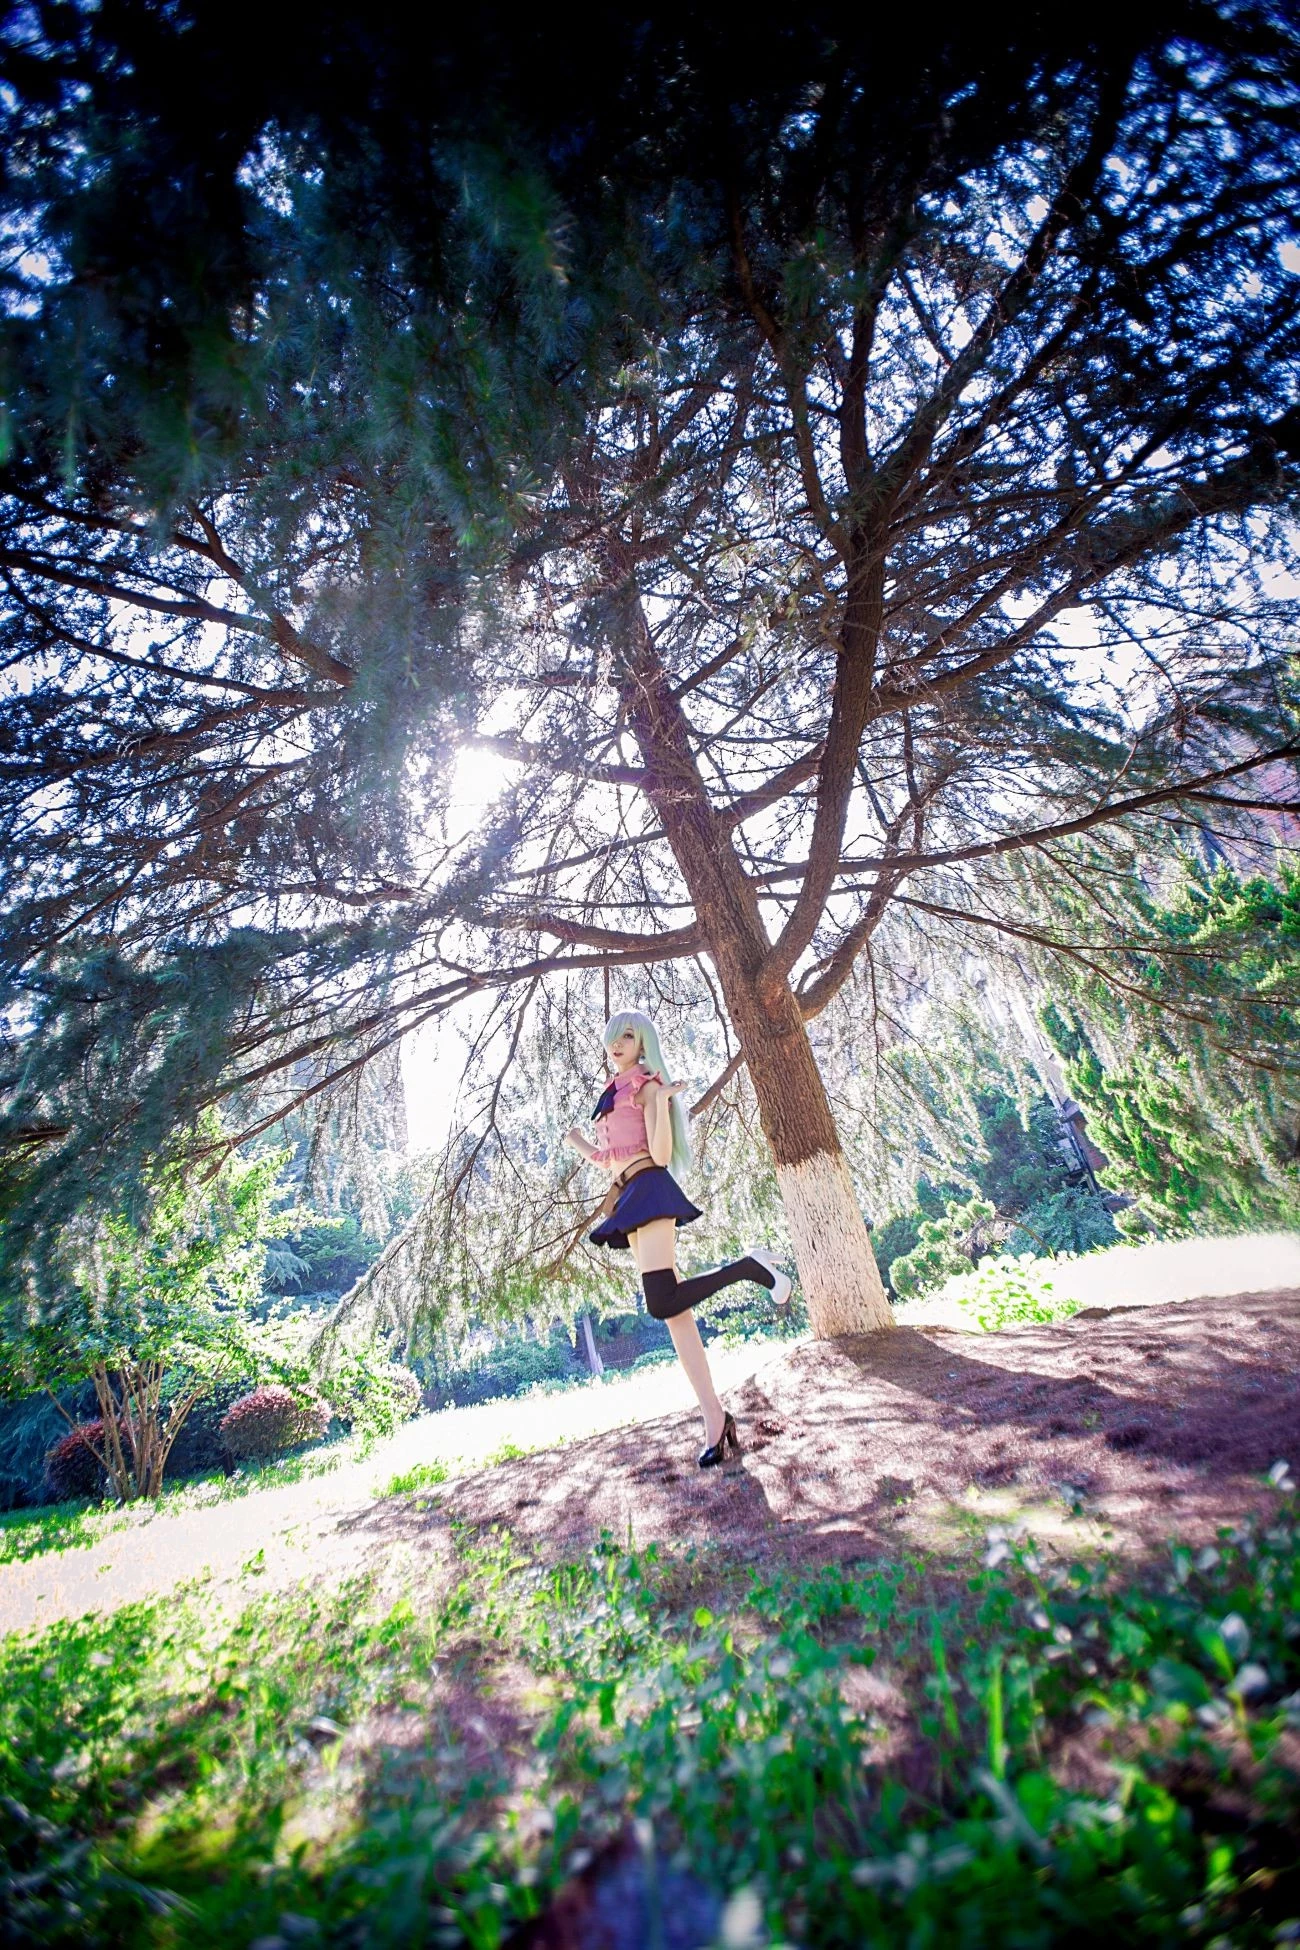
{"x":893,"y":1238}
{"x":178,"y":1289}
{"x":509,"y":1365}
{"x":1026,"y":1161}
{"x":134,"y":1303}
{"x":370,"y":1396}
{"x":1072,"y":1220}
{"x":95,"y":1737}
{"x":169,"y":1754}
{"x":319,"y":1255}
{"x":422,"y":1476}
{"x":1198,"y":1107}
{"x":1008,"y":1290}
{"x":944,"y":1247}
{"x":1042,"y":1198}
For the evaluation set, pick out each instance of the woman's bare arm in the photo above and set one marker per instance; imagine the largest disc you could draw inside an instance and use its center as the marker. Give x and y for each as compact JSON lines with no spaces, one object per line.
{"x":579,"y":1140}
{"x":658,"y":1124}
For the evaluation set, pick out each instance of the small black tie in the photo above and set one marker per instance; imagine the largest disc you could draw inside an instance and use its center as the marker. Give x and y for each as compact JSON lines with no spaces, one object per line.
{"x":606,"y":1104}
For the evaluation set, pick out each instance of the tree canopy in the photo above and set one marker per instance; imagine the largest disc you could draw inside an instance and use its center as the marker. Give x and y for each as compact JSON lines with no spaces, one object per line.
{"x":822,"y":485}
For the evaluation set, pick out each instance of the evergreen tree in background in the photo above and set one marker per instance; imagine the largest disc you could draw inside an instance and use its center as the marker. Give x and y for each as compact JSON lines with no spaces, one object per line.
{"x":1032,"y":1192}
{"x":1190,"y":1073}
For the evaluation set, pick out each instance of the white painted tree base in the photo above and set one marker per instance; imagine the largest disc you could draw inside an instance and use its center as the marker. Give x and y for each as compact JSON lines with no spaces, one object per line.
{"x":837,"y":1268}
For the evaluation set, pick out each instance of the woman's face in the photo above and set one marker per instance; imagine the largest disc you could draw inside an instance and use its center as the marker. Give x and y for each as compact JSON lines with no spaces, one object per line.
{"x":624,"y":1050}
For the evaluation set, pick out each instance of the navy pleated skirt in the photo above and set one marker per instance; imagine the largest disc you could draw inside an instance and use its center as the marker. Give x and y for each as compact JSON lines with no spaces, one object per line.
{"x":653,"y":1194}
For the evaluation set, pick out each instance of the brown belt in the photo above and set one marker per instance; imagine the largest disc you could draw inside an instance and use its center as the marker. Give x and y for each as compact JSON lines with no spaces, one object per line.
{"x":617,"y":1183}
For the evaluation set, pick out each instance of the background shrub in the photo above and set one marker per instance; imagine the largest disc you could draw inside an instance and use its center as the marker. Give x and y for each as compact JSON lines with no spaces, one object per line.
{"x":945,"y":1246}
{"x":30,"y":1426}
{"x":319,"y":1259}
{"x":72,"y":1467}
{"x":373,"y":1398}
{"x":892,"y":1239}
{"x":13,"y":1491}
{"x":509,"y":1367}
{"x":1010,"y":1291}
{"x":200,"y":1449}
{"x":402,"y":1386}
{"x":1072,"y":1220}
{"x":272,"y":1419}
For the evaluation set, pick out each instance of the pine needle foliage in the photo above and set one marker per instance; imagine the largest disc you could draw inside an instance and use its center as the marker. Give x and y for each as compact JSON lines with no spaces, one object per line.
{"x":817,"y":486}
{"x":1190,"y":1073}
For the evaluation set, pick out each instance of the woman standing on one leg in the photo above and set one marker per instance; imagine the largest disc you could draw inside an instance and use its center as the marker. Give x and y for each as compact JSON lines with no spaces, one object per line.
{"x":641,"y":1132}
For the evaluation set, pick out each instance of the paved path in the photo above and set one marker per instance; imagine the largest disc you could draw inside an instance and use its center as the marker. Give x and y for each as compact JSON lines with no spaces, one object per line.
{"x":1154,"y":1274}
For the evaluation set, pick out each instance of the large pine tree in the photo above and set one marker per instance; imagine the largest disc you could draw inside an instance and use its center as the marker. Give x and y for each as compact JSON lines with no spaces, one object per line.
{"x":764,"y":449}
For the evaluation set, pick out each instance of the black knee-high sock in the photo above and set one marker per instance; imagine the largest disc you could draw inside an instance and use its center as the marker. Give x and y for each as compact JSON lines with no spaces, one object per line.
{"x":666,"y":1296}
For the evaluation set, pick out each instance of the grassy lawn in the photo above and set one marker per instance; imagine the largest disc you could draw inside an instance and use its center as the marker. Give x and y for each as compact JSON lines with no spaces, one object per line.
{"x":81,"y":1524}
{"x":973,"y":1750}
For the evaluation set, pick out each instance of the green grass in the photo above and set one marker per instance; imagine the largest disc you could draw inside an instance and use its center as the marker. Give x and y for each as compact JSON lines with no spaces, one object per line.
{"x":1059,"y":1755}
{"x":81,"y":1524}
{"x":423,"y":1476}
{"x":54,"y":1527}
{"x":511,"y":1452}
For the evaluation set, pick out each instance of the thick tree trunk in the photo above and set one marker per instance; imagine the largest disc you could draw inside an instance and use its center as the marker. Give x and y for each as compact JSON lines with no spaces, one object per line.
{"x":837,"y":1268}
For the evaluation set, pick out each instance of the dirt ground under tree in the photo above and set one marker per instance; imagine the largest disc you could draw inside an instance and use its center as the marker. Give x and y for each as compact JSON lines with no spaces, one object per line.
{"x":1120,"y":1427}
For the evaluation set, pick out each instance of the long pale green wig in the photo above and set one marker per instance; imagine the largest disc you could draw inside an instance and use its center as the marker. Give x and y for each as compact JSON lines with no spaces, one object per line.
{"x":632,"y":1022}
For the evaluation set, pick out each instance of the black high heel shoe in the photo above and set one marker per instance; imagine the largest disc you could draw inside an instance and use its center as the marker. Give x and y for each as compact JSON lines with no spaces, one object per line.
{"x":716,"y":1451}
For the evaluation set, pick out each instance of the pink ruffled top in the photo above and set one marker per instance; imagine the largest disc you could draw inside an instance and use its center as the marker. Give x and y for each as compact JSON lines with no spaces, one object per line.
{"x":621,"y":1132}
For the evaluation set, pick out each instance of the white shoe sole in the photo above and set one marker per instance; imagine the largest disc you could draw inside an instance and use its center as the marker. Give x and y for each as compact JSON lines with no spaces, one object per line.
{"x":782,"y":1284}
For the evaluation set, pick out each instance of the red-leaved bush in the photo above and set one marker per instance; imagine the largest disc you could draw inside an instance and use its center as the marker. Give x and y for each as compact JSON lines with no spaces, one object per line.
{"x":272,"y":1419}
{"x":72,"y":1467}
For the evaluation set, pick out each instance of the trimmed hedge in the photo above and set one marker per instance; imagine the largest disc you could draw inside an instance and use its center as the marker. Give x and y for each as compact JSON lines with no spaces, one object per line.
{"x":29,"y":1429}
{"x":72,"y":1467}
{"x":272,"y":1419}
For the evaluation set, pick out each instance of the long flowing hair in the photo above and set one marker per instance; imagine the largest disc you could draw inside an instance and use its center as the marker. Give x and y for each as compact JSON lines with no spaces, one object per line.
{"x":632,"y":1022}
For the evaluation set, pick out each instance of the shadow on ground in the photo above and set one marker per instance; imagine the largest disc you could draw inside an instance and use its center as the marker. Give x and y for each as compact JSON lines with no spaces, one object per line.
{"x":1156,"y":1419}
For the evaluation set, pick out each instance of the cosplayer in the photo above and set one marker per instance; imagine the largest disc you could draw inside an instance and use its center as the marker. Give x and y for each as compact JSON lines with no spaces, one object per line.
{"x":642,"y":1143}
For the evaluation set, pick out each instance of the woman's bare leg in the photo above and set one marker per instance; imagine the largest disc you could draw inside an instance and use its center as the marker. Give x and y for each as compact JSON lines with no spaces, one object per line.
{"x":655,"y":1249}
{"x":691,"y":1354}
